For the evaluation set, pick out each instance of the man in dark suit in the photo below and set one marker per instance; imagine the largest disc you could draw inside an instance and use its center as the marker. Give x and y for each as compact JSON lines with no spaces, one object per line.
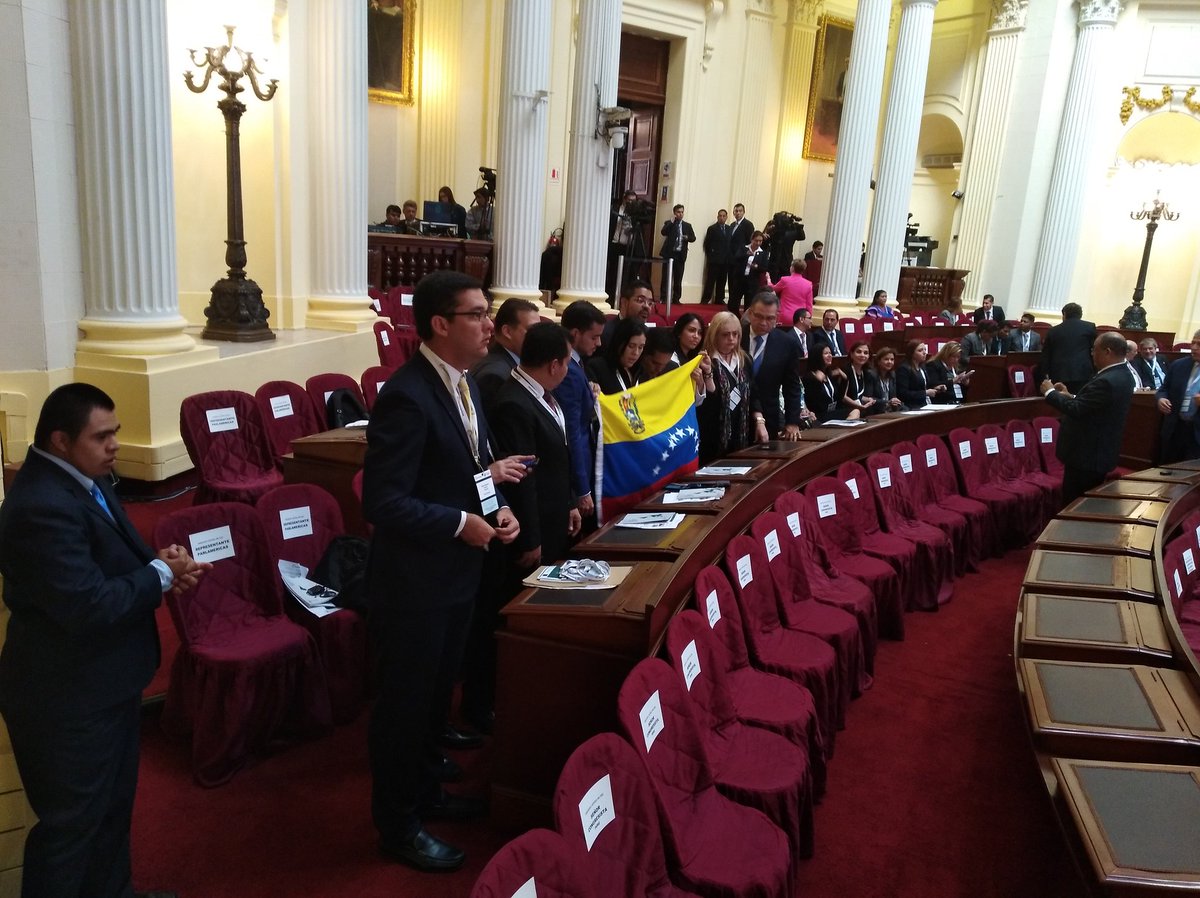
{"x":989,"y":311}
{"x":429,"y":491}
{"x":748,"y":272}
{"x":983,"y":341}
{"x":676,"y":234}
{"x":1149,"y":370}
{"x":529,"y":421}
{"x":513,"y":319}
{"x":828,"y":335}
{"x":1025,"y":338}
{"x":82,"y":644}
{"x":584,"y":324}
{"x":775,"y":366}
{"x":717,"y":255}
{"x":1093,"y":420}
{"x":741,"y":230}
{"x":1177,"y":398}
{"x":802,"y":328}
{"x":1067,"y":349}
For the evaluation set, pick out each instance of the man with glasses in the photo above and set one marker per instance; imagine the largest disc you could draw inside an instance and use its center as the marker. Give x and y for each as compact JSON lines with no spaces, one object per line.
{"x":774,"y":365}
{"x":429,"y":491}
{"x":637,"y":301}
{"x":1177,"y":398}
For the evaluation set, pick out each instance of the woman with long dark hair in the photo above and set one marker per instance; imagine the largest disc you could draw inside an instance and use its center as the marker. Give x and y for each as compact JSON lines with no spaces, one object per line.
{"x":912,"y":384}
{"x":458,"y":215}
{"x":615,"y":368}
{"x":881,"y":381}
{"x":944,"y":371}
{"x":689,"y":337}
{"x":824,"y":387}
{"x":857,"y":395}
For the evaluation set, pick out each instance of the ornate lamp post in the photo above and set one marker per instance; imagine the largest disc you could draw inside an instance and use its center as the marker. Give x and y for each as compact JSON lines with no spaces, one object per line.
{"x":235,"y":311}
{"x":1134,"y":318}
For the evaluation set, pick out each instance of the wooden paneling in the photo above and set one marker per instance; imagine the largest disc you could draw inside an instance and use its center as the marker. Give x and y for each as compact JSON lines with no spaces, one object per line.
{"x":643,"y":71}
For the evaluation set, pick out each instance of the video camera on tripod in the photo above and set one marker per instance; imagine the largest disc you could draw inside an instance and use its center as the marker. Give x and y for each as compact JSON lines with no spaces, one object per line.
{"x":640,"y":212}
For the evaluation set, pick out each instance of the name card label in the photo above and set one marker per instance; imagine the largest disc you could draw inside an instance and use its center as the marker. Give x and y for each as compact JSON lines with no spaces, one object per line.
{"x":1178,"y":584}
{"x":328,"y":393}
{"x":211,"y":545}
{"x":529,"y":890}
{"x":1018,"y":438}
{"x":1189,"y":561}
{"x":1018,"y":377}
{"x":376,"y":306}
{"x":794,"y":523}
{"x":964,"y":449}
{"x":826,"y":505}
{"x":379,"y":386}
{"x":745,"y":571}
{"x":296,"y":522}
{"x":771,"y":544}
{"x":281,"y":406}
{"x":992,"y":445}
{"x":383,"y":336}
{"x":406,"y":299}
{"x":868,"y":328}
{"x":931,"y":457}
{"x":221,"y":419}
{"x":852,"y":485}
{"x":596,"y":810}
{"x":689,"y":661}
{"x":884,"y":476}
{"x":906,"y":463}
{"x":1047,"y":434}
{"x":652,"y":720}
{"x":713,"y":609}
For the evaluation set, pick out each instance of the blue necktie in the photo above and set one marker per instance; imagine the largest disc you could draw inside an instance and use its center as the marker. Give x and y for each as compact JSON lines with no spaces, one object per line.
{"x":99,"y":497}
{"x":758,"y":353}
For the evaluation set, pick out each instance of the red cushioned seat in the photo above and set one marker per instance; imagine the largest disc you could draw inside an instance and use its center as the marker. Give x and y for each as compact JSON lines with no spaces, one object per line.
{"x":541,"y":857}
{"x":626,"y":857}
{"x":1009,"y":472}
{"x":940,"y":488}
{"x":806,"y":659}
{"x":1046,"y":430}
{"x":762,"y":698}
{"x":225,"y":439}
{"x":397,"y":306}
{"x":1020,"y":381}
{"x":1027,"y":463}
{"x":341,"y":637}
{"x":245,"y":675}
{"x":1017,"y":521}
{"x":388,"y":349}
{"x":719,"y":846}
{"x":372,"y":382}
{"x":800,"y":611}
{"x":952,"y":523}
{"x":320,"y":386}
{"x":287,"y":414}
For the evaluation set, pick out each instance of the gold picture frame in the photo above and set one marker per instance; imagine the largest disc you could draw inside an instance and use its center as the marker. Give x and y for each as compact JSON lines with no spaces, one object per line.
{"x":391,"y":50}
{"x":830,"y":62}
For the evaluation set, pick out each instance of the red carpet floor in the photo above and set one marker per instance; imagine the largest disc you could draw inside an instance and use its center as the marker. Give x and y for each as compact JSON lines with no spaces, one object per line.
{"x":933,"y":791}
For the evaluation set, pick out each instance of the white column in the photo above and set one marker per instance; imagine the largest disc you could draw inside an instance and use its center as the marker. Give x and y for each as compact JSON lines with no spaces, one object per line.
{"x":748,"y":182}
{"x":1072,"y":160}
{"x":337,"y":136}
{"x":801,"y":45}
{"x":855,"y":153}
{"x":985,"y":150}
{"x":589,"y":169}
{"x":126,"y":190}
{"x":521,"y":162}
{"x":901,"y":128}
{"x":437,"y":109}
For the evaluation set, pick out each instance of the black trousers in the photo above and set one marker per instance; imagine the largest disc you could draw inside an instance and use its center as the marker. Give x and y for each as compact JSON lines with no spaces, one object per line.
{"x":417,"y":656}
{"x":1077,"y":481}
{"x":80,"y":774}
{"x":715,"y":276}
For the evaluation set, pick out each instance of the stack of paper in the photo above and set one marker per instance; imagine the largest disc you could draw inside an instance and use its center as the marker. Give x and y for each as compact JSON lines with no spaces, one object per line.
{"x":652,"y":520}
{"x":693,"y":494}
{"x":723,"y":470}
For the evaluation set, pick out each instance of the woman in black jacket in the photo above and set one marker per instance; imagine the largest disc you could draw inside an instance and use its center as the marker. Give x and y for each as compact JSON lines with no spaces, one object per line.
{"x":615,"y":368}
{"x":824,"y":387}
{"x":912,"y":384}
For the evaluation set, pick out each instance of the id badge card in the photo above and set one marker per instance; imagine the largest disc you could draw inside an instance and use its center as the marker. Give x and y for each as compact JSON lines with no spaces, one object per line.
{"x":735,"y":397}
{"x":487,"y":492}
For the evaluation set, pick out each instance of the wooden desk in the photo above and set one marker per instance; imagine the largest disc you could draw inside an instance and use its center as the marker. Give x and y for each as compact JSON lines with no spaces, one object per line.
{"x":1117,"y":537}
{"x":785,"y":449}
{"x":1081,"y":573}
{"x":330,"y":460}
{"x":734,"y":493}
{"x":1077,"y":628}
{"x":759,"y":468}
{"x":1112,"y":712}
{"x":618,"y":544}
{"x":1172,"y":474}
{"x":1139,"y":825}
{"x":1141,"y":489}
{"x":1096,"y":508}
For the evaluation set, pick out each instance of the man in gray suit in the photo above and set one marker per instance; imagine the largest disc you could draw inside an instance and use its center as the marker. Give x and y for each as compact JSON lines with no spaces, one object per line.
{"x":1025,"y":338}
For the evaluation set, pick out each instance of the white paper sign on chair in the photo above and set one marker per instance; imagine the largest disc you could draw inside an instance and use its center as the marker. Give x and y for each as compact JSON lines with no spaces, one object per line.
{"x":211,"y":545}
{"x":713,"y":608}
{"x":652,"y":719}
{"x":689,"y":660}
{"x":596,"y":810}
{"x":294,"y":522}
{"x":281,"y":406}
{"x":931,"y":457}
{"x":826,"y":505}
{"x":794,"y":523}
{"x":529,"y":890}
{"x":221,"y":419}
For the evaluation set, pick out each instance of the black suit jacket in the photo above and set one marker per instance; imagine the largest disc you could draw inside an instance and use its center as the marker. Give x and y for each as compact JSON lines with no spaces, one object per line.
{"x":997,"y":314}
{"x":417,"y":479}
{"x":544,"y":498}
{"x":779,"y":372}
{"x":1145,"y":375}
{"x":491,"y":373}
{"x":1174,"y":385}
{"x":740,"y":233}
{"x":1093,"y":422}
{"x":716,"y":244}
{"x":820,"y":338}
{"x":670,"y":232}
{"x":1067,"y":351}
{"x":82,"y":636}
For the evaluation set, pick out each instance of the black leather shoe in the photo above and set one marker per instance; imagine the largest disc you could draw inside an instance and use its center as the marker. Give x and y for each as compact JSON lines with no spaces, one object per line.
{"x":457,"y":739}
{"x":446,"y":770}
{"x":425,"y":852}
{"x":452,"y":807}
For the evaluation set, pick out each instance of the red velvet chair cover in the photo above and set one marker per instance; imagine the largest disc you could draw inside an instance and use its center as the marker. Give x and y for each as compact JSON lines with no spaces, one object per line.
{"x":1190,"y":527}
{"x":806,"y":659}
{"x":372,"y":381}
{"x":738,"y":753}
{"x":1020,"y":381}
{"x":244,"y":676}
{"x":846,"y":552}
{"x":397,"y":305}
{"x":234,"y":462}
{"x":900,"y":516}
{"x":952,"y":523}
{"x":386,"y":345}
{"x":319,"y":386}
{"x":940,"y":489}
{"x":1046,"y":429}
{"x":287,"y":414}
{"x":341,"y":637}
{"x":1011,"y":473}
{"x":627,"y":858}
{"x":922,"y":586}
{"x":762,"y":699}
{"x":1027,"y":463}
{"x":540,"y":855}
{"x":1014,"y":523}
{"x":800,"y":611}
{"x":720,"y":848}
{"x":1180,"y":588}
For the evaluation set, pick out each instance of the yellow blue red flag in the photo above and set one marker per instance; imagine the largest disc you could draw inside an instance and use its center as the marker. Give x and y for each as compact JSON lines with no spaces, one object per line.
{"x":650,"y":438}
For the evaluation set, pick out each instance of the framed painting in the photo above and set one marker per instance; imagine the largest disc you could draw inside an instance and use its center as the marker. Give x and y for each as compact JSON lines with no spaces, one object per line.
{"x":830,"y":63}
{"x":391,"y":50}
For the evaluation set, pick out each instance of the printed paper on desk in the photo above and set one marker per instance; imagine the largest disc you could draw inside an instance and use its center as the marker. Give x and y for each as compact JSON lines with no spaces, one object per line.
{"x":906,"y":463}
{"x":771,"y":544}
{"x":713,"y":607}
{"x":211,"y":545}
{"x":852,"y":485}
{"x":1018,"y":439}
{"x":884,"y":476}
{"x":745,"y":571}
{"x":281,"y":406}
{"x":723,"y":470}
{"x":931,"y":458}
{"x":383,"y":335}
{"x":826,"y":505}
{"x":596,"y":809}
{"x":964,"y":449}
{"x":221,"y":419}
{"x":991,"y":445}
{"x":701,"y":494}
{"x":689,"y":660}
{"x":1047,"y":434}
{"x":794,"y":522}
{"x":1189,"y":561}
{"x":296,"y":522}
{"x":529,"y":890}
{"x":652,"y":720}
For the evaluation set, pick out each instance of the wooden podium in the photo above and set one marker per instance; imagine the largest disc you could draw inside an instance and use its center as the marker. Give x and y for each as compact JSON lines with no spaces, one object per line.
{"x":330,"y":460}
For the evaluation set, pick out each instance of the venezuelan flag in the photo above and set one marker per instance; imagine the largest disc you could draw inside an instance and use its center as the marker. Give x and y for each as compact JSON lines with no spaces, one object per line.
{"x":650,"y":438}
